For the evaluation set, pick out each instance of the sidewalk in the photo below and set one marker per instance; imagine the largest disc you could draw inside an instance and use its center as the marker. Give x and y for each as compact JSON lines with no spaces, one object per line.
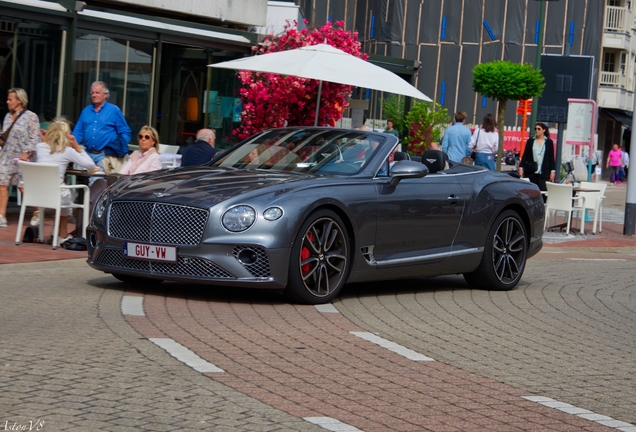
{"x":611,"y":236}
{"x":31,"y":252}
{"x":613,"y":220}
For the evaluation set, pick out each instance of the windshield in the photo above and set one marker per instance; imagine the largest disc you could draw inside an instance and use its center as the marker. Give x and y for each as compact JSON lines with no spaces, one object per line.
{"x":316,"y":151}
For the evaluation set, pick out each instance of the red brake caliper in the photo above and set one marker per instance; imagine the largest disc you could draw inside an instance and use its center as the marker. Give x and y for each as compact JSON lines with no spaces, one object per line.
{"x":304,"y":254}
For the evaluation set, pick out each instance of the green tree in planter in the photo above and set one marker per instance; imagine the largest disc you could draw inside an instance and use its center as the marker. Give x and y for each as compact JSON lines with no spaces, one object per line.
{"x":504,"y":81}
{"x":425,"y":122}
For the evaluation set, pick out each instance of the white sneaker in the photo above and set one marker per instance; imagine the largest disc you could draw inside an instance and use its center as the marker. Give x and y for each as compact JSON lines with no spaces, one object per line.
{"x":3,"y":221}
{"x":35,"y":219}
{"x":62,"y":240}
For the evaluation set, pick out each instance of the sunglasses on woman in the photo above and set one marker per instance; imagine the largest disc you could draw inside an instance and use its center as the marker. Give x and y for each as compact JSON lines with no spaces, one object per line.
{"x":140,"y":136}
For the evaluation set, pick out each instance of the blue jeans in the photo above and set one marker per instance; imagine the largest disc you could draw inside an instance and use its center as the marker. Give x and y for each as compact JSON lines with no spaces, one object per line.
{"x":486,"y":160}
{"x":97,"y":158}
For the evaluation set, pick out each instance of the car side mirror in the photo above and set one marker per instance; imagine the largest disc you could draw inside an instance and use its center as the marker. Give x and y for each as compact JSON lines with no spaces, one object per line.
{"x":406,"y":169}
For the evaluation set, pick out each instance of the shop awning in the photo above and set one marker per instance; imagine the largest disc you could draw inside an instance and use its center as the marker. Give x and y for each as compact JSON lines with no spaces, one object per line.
{"x":39,"y":4}
{"x":620,"y":116}
{"x":165,"y":28}
{"x":171,"y":30}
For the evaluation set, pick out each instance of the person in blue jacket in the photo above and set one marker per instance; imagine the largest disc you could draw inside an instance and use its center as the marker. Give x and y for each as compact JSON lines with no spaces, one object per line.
{"x":102,"y":128}
{"x":456,"y":139}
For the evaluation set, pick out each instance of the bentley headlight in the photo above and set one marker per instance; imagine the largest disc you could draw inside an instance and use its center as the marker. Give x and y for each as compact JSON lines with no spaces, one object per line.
{"x":239,"y":218}
{"x":273,"y":213}
{"x":101,"y":206}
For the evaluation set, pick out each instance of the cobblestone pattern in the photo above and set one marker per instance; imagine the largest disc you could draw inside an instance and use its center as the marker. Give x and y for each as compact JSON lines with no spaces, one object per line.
{"x":567,"y":332}
{"x":308,"y":364}
{"x":69,"y":359}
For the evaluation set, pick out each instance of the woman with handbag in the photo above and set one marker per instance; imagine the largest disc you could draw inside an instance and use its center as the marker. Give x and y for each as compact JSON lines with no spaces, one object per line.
{"x":485,"y":142}
{"x":21,"y":133}
{"x":538,"y":162}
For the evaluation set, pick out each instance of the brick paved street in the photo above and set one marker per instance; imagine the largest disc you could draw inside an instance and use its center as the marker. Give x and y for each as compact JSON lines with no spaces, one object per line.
{"x":81,"y":351}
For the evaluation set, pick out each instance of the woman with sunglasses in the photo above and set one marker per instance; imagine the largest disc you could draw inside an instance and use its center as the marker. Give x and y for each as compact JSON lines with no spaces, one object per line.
{"x":147,"y":158}
{"x":538,"y":162}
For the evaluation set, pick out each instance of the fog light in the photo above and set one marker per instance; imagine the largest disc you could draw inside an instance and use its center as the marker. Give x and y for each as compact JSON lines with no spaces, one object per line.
{"x":247,"y":256}
{"x":92,"y":240}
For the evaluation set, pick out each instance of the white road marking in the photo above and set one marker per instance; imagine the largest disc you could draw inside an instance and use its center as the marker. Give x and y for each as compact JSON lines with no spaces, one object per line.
{"x":132,"y":305}
{"x":596,"y":259}
{"x":583,"y":413}
{"x":326,"y":308}
{"x":331,"y":424}
{"x":183,"y":354}
{"x":392,"y":346}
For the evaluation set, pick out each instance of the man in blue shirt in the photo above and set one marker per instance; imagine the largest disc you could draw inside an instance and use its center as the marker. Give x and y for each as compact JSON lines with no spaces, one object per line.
{"x":202,"y":151}
{"x":101,"y":127}
{"x":456,"y":139}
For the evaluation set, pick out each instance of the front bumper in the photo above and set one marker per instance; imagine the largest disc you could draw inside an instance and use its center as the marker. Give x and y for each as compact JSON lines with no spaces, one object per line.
{"x":241,"y":265}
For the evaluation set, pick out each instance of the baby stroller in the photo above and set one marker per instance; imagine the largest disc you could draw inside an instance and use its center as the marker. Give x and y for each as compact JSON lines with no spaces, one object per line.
{"x":569,"y":172}
{"x":575,"y":170}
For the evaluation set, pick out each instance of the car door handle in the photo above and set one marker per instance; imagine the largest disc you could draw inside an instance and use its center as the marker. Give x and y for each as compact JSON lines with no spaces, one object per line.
{"x":453,"y":198}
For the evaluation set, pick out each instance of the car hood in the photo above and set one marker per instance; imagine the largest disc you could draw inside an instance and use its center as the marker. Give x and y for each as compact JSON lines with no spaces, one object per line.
{"x":202,"y":186}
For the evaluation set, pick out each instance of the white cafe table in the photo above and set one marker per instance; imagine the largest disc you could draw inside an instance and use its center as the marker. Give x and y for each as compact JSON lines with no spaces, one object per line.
{"x":170,"y":160}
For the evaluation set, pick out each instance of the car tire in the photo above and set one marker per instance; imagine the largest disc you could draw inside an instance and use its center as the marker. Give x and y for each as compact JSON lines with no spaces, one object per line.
{"x":319,"y":263}
{"x":136,"y":280}
{"x":505,"y":254}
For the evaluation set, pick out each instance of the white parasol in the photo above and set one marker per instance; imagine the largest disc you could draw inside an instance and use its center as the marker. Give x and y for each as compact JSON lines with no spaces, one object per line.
{"x":323,"y":62}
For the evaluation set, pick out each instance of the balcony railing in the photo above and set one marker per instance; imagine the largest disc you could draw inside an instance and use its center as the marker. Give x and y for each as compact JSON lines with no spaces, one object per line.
{"x":615,"y":19}
{"x":612,"y":79}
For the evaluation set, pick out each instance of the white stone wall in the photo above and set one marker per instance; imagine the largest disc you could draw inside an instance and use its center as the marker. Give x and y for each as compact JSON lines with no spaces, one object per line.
{"x":244,"y":12}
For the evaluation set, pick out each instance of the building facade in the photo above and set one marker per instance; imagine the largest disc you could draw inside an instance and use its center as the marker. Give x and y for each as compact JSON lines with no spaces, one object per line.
{"x":153,"y":56}
{"x":449,"y":37}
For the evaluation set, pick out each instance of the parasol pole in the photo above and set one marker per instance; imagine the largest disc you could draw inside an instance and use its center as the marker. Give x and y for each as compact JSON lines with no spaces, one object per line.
{"x":318,"y":102}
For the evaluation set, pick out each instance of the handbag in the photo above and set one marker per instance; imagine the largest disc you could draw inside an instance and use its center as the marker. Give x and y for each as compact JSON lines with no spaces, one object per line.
{"x":473,"y":155}
{"x":532,"y":167}
{"x":5,"y":135}
{"x":30,"y":234}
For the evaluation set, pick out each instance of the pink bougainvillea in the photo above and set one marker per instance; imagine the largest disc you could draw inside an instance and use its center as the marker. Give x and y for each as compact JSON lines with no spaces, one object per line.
{"x":269,"y":99}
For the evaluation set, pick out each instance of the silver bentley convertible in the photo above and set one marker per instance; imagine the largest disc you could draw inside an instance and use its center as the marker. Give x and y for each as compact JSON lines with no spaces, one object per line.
{"x":306,"y":210}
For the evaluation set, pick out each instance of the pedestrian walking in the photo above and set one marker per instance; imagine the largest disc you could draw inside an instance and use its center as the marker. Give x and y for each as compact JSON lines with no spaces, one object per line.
{"x":614,"y":162}
{"x":485,"y":142}
{"x":538,"y":163}
{"x":21,"y":133}
{"x":624,"y":165}
{"x":456,"y":139}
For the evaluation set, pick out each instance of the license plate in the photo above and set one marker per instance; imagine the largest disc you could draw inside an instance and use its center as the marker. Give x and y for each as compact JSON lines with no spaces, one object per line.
{"x":150,"y":252}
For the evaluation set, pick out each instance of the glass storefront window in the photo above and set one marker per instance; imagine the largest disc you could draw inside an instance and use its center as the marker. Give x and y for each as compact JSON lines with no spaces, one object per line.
{"x":34,"y":66}
{"x":126,"y":68}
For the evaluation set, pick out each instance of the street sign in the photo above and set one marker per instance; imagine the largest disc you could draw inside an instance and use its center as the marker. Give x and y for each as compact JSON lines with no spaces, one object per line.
{"x":524,"y":107}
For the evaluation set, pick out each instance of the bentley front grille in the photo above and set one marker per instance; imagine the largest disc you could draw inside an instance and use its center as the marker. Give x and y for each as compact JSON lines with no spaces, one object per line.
{"x":258,"y":264}
{"x":185,"y":266}
{"x":157,"y":223}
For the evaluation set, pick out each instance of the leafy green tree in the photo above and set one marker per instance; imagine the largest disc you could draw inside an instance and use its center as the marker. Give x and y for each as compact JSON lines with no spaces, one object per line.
{"x":393,"y":108}
{"x":504,"y":81}
{"x":420,"y":126}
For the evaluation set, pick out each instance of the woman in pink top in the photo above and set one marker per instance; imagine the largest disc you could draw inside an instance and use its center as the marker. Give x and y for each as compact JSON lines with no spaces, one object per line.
{"x":147,"y":158}
{"x":614,"y":161}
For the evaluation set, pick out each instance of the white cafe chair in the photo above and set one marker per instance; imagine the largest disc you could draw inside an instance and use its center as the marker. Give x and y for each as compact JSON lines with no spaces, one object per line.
{"x":560,"y":199}
{"x":594,"y":201}
{"x":42,"y":188}
{"x":166,"y":148}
